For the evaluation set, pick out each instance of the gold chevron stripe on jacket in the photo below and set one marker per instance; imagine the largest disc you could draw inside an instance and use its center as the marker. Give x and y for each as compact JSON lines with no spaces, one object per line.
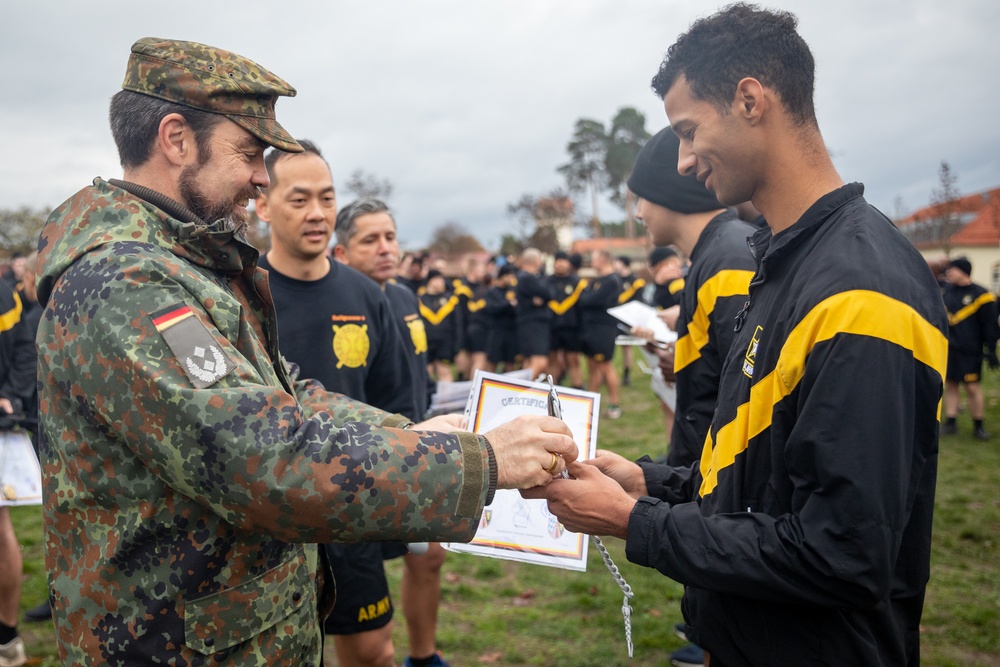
{"x":843,"y":313}
{"x":12,"y":316}
{"x":971,"y":309}
{"x":437,"y":317}
{"x":628,"y":293}
{"x":560,"y":307}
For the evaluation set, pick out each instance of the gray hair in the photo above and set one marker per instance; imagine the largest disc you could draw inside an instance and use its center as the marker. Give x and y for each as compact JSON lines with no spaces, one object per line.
{"x":347,"y":216}
{"x":603,"y":254}
{"x":531,"y":256}
{"x":31,"y":262}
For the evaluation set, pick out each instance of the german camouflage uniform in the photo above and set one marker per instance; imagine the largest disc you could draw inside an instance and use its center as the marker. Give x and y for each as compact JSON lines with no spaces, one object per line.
{"x":185,"y":466}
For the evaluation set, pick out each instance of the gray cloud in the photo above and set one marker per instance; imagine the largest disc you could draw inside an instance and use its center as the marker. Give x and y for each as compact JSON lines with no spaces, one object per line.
{"x":465,"y":106}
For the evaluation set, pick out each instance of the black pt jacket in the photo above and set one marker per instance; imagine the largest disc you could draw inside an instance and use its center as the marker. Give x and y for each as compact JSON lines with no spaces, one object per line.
{"x":715,"y":290}
{"x":807,"y":541}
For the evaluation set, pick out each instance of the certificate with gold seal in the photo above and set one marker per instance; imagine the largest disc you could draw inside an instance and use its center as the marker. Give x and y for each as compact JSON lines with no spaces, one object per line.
{"x":511,"y":527}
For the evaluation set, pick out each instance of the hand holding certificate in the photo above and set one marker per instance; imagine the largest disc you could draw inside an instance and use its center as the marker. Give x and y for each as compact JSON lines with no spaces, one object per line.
{"x":513,"y":415}
{"x":530,"y":450}
{"x":520,"y":526}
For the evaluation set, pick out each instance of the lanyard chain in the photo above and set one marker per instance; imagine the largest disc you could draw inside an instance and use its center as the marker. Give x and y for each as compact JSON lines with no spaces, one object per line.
{"x":622,"y":584}
{"x":555,"y":410}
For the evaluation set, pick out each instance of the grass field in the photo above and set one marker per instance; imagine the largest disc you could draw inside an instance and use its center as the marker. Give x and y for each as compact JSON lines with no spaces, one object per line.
{"x":502,"y":613}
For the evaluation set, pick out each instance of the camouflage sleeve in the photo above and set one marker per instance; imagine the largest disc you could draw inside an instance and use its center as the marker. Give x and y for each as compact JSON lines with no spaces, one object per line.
{"x":240,"y":445}
{"x":313,"y":398}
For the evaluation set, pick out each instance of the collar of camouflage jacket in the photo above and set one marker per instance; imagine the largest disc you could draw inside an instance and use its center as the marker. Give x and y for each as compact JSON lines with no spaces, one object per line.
{"x":110,"y":212}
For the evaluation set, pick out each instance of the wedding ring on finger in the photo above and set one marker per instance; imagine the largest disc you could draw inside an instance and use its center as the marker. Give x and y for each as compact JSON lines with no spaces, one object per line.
{"x":552,"y":466}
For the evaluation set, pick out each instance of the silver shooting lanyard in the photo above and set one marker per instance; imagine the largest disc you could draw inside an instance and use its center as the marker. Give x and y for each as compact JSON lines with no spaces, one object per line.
{"x":555,"y":410}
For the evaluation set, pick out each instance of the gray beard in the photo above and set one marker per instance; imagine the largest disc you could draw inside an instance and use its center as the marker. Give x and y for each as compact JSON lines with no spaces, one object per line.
{"x":211,"y":213}
{"x":231,"y":224}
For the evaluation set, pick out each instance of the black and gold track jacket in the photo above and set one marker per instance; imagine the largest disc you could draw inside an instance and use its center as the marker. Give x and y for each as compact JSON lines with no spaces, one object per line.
{"x":808,"y":537}
{"x":715,"y":290}
{"x":972,"y":319}
{"x":564,"y":304}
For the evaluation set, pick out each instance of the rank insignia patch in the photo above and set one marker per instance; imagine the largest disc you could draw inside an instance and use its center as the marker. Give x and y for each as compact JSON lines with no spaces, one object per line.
{"x":200,"y":356}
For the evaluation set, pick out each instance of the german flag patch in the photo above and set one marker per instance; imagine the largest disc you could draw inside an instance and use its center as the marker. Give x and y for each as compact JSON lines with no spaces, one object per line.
{"x":200,"y":356}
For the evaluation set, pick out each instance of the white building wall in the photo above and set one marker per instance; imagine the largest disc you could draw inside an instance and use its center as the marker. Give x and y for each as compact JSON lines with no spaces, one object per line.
{"x":985,"y":263}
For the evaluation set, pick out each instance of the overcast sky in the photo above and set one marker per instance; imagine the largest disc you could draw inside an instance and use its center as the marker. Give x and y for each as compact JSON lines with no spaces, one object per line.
{"x":466,"y":105}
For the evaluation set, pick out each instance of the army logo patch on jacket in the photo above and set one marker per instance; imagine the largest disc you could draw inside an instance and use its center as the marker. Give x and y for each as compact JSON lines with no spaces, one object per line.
{"x":751,"y":356}
{"x":202,"y":360}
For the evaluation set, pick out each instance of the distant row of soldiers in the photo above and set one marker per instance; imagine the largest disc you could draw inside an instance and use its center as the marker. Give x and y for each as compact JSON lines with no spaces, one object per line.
{"x":523,"y":318}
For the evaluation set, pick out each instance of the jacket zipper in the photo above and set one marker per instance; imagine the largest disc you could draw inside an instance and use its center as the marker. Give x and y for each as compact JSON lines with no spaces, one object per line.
{"x":741,"y":317}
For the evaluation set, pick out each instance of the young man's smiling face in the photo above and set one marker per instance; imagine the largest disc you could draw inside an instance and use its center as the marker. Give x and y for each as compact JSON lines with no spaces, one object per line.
{"x":716,"y":147}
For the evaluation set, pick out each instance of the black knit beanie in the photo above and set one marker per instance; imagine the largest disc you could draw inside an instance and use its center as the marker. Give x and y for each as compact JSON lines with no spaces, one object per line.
{"x":655,"y":178}
{"x":962,"y":264}
{"x":659,"y":254}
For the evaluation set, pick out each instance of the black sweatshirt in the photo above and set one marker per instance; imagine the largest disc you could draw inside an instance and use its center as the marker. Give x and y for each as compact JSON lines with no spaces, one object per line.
{"x":565,"y":300}
{"x":406,"y":311}
{"x":972,"y":319}
{"x":601,"y":293}
{"x":18,"y":360}
{"x":530,"y":287}
{"x":339,"y":330}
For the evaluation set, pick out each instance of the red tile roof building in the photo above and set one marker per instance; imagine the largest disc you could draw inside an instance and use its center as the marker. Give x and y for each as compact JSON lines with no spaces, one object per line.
{"x":974,"y":232}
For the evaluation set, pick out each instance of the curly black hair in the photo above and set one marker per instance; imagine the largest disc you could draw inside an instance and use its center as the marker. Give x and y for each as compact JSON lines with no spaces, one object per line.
{"x":739,"y":41}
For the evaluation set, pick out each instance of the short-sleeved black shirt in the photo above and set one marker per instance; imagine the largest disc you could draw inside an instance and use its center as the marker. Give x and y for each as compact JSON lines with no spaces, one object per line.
{"x":340,"y":330}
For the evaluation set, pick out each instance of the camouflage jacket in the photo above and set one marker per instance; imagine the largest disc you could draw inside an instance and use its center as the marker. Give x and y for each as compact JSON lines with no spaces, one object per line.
{"x":185,"y":467}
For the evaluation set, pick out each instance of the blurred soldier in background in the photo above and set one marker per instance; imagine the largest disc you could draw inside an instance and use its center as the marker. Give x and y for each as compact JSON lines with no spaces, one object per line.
{"x":972,"y":337}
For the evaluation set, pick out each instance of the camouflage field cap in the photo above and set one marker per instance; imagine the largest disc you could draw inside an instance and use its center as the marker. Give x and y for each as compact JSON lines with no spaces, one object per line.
{"x":210,"y":79}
